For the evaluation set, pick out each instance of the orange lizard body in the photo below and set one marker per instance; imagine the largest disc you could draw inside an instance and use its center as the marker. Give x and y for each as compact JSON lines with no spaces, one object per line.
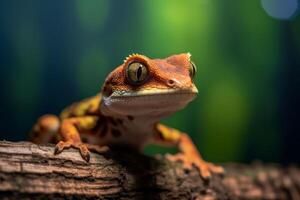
{"x":134,"y":98}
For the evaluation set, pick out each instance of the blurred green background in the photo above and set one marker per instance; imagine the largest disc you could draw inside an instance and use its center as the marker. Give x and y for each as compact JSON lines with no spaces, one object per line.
{"x":247,"y":54}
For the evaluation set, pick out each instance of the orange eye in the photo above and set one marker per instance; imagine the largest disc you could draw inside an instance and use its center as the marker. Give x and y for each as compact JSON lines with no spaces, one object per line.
{"x":193,"y":69}
{"x":137,"y":73}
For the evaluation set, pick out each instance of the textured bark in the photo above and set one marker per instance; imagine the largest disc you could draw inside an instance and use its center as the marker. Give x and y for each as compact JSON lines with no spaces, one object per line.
{"x":29,"y":171}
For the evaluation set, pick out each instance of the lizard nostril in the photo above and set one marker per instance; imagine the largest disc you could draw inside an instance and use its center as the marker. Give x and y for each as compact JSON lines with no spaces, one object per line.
{"x":171,"y":82}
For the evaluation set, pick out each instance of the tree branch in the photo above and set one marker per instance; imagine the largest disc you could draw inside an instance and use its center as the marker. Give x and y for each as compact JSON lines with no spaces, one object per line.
{"x":29,"y":171}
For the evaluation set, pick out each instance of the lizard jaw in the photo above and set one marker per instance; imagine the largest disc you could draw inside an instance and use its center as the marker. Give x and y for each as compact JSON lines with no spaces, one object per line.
{"x":155,"y":102}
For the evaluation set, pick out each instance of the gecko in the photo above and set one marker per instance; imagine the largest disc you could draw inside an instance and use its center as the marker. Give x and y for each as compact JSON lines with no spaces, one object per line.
{"x":127,"y":112}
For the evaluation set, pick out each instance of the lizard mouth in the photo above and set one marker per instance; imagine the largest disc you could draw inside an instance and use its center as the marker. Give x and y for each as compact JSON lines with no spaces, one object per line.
{"x":155,"y":92}
{"x":147,"y":102}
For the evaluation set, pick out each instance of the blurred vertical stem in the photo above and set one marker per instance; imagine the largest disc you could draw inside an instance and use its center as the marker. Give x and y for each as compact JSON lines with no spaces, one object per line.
{"x":93,"y":63}
{"x":26,"y":74}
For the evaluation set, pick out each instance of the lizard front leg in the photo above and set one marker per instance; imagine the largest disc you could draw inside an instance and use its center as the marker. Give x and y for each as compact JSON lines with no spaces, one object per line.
{"x":69,"y":131}
{"x":45,"y":129}
{"x":188,"y":154}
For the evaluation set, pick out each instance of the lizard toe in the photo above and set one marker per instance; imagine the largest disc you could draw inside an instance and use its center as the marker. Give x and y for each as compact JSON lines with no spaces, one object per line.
{"x":86,"y":157}
{"x":215,"y":168}
{"x":180,"y":157}
{"x":60,"y":146}
{"x":85,"y":153}
{"x":207,"y":169}
{"x":57,"y":150}
{"x":203,"y":169}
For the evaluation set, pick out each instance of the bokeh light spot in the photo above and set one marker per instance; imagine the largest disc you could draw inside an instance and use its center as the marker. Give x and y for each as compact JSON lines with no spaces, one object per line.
{"x":280,"y":9}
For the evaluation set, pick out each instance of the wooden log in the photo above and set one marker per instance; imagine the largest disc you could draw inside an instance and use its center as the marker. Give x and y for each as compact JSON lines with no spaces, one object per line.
{"x":29,"y":171}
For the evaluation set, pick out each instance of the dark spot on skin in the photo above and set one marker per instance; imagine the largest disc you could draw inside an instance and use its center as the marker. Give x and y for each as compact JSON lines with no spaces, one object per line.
{"x":84,"y":140}
{"x":112,"y":121}
{"x":98,"y":126}
{"x":119,"y":121}
{"x":104,"y":130}
{"x":160,"y":136}
{"x":130,"y":117}
{"x":116,"y":132}
{"x":186,"y":171}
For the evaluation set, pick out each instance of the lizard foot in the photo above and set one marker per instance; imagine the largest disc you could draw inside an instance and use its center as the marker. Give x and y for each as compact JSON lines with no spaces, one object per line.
{"x":205,"y":168}
{"x":83,"y":149}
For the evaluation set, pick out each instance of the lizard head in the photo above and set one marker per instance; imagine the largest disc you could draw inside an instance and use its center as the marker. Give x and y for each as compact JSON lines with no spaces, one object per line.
{"x":144,"y":86}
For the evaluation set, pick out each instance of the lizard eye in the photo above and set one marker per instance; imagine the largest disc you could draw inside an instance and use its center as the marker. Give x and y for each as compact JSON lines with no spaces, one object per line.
{"x":136,"y":73}
{"x":193,"y":69}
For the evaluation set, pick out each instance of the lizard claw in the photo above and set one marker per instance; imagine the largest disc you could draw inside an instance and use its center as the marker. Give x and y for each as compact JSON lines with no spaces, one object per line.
{"x":83,"y":148}
{"x":85,"y":153}
{"x":86,"y":156}
{"x":57,"y":150}
{"x":205,"y":168}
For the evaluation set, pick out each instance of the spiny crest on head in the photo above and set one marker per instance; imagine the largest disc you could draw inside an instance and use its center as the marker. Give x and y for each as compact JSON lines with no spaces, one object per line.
{"x":130,"y":56}
{"x":189,"y":55}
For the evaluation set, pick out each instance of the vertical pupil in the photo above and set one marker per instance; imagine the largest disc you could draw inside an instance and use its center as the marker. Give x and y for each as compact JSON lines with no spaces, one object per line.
{"x":139,"y":72}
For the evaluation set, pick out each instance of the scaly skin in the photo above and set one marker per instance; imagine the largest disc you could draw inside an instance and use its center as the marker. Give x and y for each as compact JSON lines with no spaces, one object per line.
{"x":127,"y":111}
